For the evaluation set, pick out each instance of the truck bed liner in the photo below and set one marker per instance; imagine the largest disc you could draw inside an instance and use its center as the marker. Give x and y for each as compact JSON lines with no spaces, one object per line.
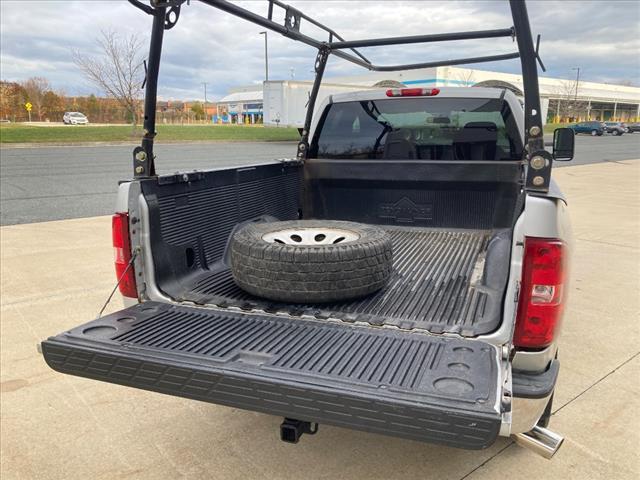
{"x":382,"y":380}
{"x":450,"y":223}
{"x":437,"y":285}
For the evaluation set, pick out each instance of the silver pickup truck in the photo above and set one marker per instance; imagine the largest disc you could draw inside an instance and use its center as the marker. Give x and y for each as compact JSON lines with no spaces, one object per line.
{"x":460,"y":344}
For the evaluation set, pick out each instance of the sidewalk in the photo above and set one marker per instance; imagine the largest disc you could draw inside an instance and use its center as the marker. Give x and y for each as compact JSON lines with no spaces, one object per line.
{"x":55,"y":275}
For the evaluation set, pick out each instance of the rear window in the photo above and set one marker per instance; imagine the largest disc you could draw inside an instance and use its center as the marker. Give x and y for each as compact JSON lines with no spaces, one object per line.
{"x":418,"y":128}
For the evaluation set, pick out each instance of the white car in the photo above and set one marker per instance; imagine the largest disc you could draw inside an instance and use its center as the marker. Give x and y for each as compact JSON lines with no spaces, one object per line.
{"x":75,"y":118}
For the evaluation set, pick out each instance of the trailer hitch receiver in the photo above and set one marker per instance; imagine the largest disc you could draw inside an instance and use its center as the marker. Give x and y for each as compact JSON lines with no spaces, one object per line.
{"x":291,"y":429}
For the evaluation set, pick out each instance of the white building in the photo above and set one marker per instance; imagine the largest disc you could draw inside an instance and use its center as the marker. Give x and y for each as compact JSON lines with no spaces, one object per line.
{"x":283,"y":103}
{"x":593,"y":101}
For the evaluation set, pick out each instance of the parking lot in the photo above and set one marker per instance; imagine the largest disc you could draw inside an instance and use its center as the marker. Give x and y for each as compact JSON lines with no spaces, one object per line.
{"x":51,"y":183}
{"x":57,"y":274}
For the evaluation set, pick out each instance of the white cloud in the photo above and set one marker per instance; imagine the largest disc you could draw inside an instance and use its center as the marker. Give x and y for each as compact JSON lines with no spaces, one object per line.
{"x":208,"y":45}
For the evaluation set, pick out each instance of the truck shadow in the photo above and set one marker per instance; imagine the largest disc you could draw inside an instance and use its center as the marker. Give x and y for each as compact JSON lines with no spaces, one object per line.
{"x":252,"y":449}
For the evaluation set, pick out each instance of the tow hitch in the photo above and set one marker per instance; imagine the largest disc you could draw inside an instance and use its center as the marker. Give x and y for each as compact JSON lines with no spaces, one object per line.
{"x":291,"y":429}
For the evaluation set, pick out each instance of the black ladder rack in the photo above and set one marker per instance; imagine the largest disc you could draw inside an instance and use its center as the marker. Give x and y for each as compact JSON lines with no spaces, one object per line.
{"x":166,"y":14}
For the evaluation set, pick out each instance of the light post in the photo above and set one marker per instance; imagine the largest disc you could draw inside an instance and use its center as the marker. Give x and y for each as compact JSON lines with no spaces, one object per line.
{"x":266,"y":57}
{"x":205,"y":101}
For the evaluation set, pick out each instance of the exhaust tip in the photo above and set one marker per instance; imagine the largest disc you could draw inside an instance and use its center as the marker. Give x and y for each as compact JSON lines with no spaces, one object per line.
{"x":540,"y":440}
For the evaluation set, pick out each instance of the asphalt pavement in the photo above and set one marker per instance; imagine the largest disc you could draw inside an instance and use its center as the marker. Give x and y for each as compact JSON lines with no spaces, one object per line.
{"x":39,"y":184}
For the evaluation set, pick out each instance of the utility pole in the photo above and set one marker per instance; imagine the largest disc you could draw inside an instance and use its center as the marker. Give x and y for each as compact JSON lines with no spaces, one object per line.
{"x":205,"y":100}
{"x":575,"y":98}
{"x":266,"y":57}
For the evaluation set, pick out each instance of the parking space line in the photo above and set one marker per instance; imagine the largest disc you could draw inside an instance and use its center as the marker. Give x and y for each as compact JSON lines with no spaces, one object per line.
{"x":596,"y":383}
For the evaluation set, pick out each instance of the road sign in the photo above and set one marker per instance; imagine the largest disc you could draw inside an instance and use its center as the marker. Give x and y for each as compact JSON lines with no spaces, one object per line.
{"x":28,"y":106}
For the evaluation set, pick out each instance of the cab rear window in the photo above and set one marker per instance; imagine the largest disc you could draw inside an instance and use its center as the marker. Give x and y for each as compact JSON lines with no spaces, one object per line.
{"x":418,"y":128}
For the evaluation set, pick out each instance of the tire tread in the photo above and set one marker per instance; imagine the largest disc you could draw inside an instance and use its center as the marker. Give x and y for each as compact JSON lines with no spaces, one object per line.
{"x":311,"y":274}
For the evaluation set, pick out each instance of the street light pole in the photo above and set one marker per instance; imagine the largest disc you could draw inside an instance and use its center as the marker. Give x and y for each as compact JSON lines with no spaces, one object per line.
{"x":205,"y":100}
{"x":266,"y":57}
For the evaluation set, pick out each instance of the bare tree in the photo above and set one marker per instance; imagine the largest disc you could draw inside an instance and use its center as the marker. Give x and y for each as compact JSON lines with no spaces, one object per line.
{"x":35,"y":90}
{"x":118,"y":71}
{"x":568,"y":105}
{"x":466,"y":77}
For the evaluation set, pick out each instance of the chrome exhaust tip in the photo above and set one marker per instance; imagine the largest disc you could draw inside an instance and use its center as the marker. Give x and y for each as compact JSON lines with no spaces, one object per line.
{"x":542,"y":441}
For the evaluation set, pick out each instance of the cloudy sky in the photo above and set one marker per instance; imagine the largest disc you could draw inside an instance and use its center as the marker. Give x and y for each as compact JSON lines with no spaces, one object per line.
{"x":38,"y":37}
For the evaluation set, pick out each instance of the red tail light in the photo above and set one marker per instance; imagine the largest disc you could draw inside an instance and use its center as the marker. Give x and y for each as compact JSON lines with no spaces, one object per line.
{"x":412,"y":92}
{"x":541,"y":293}
{"x":122,"y":250}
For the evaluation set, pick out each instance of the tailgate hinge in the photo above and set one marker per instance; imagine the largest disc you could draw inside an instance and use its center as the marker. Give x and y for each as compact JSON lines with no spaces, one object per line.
{"x":507,"y":396}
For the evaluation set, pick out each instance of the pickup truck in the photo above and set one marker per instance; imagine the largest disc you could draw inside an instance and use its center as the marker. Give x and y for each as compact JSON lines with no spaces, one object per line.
{"x":459,"y":347}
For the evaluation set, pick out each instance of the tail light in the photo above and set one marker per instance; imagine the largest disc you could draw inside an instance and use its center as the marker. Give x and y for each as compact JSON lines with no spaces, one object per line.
{"x":122,"y":249}
{"x":412,"y":92}
{"x":541,"y":293}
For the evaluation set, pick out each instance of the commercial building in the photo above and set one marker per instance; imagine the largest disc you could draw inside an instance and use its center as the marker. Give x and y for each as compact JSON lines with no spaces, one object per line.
{"x":283,"y":103}
{"x":242,"y":105}
{"x":565,"y":100}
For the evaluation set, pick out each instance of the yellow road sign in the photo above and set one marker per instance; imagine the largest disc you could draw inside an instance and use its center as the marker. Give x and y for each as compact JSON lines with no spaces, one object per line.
{"x":28,"y":106}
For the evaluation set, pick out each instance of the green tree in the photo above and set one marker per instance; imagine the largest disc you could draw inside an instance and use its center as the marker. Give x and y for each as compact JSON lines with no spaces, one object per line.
{"x":53,"y":105}
{"x":198,"y":110}
{"x":93,"y":107}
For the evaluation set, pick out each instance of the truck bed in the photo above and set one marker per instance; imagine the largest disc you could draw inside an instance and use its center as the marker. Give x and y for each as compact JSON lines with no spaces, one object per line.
{"x":437,"y":285}
{"x":413,"y":385}
{"x":450,"y":226}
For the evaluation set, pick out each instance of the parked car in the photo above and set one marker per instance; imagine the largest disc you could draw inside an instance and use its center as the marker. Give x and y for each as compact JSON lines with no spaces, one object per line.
{"x":633,"y":127}
{"x":74,"y":118}
{"x":272,"y":287}
{"x":589,"y":128}
{"x":615,"y":128}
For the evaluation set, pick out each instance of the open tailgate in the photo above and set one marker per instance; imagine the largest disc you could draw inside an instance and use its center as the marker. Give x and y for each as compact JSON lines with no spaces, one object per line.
{"x":385,"y":380}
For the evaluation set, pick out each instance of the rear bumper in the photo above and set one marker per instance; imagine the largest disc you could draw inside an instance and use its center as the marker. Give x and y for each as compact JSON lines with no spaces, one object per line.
{"x":531,"y":394}
{"x":281,"y":366}
{"x":536,"y":385}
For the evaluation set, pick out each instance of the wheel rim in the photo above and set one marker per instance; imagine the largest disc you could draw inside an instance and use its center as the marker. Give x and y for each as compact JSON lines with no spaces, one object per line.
{"x":311,"y":236}
{"x":594,"y":133}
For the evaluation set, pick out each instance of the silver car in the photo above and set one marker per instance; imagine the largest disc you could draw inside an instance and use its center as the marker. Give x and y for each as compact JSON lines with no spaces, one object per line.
{"x":615,"y":128}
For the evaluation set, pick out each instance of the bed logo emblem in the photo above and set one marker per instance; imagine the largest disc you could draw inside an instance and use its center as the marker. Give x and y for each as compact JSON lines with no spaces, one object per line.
{"x":406,"y":210}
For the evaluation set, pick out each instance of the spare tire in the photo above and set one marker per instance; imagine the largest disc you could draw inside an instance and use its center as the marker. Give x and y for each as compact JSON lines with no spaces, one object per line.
{"x":311,"y":261}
